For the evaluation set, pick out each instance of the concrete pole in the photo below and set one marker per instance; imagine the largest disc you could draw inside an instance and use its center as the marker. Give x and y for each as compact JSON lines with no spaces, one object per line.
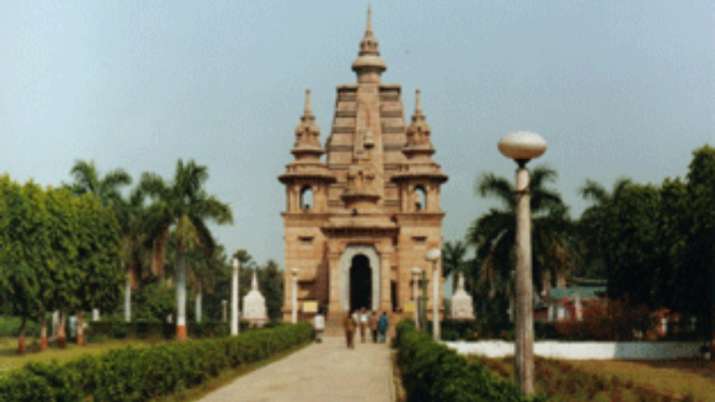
{"x":524,"y":358}
{"x":435,"y":300}
{"x":128,"y":299}
{"x":235,"y":327}
{"x":415,"y":295}
{"x":181,"y":333}
{"x":197,"y":306}
{"x":294,"y":297}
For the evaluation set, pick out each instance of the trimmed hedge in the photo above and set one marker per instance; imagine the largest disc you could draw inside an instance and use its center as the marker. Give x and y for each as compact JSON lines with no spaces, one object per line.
{"x":432,"y":372}
{"x":132,"y":374}
{"x":143,"y":329}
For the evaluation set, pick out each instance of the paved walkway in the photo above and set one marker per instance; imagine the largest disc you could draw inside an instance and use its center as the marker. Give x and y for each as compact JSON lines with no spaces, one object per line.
{"x":325,"y":372}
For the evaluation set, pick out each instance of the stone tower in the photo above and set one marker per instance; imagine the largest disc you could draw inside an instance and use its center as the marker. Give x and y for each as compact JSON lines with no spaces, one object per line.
{"x":358,"y":221}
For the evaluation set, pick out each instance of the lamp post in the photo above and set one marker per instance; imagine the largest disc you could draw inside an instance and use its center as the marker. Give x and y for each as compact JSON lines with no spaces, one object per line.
{"x":522,"y":146}
{"x":294,"y":296}
{"x":433,"y":256}
{"x":235,"y":325}
{"x":415,"y":279}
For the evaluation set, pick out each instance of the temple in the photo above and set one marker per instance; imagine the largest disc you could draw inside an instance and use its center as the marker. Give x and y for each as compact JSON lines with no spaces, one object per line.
{"x":360,"y":217}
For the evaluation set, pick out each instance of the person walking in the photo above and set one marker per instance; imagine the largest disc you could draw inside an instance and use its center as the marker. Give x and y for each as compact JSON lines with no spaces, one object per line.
{"x":372,"y":324}
{"x":349,"y":326}
{"x":382,"y":325}
{"x":319,"y":326}
{"x":363,"y":324}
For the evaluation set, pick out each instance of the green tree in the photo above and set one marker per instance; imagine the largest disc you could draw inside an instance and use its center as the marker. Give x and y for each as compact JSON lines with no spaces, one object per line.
{"x":453,"y":259}
{"x":184,"y":207}
{"x":100,"y":270}
{"x":21,"y":220}
{"x":697,"y":277}
{"x":270,"y":279}
{"x":493,"y":235}
{"x":107,"y":188}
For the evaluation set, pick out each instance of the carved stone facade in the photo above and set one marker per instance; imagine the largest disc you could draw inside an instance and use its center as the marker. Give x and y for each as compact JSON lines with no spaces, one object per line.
{"x":358,"y":221}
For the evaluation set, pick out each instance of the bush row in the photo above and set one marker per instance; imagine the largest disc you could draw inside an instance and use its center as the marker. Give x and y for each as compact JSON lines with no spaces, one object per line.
{"x":432,"y":372}
{"x":472,"y":330}
{"x":132,"y":374}
{"x":156,"y":329}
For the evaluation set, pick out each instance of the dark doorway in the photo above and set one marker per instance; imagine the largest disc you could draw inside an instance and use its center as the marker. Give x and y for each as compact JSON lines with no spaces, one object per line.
{"x":360,"y":283}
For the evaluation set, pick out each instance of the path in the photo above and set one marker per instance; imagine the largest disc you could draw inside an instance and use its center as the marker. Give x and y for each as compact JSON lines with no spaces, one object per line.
{"x":325,"y":372}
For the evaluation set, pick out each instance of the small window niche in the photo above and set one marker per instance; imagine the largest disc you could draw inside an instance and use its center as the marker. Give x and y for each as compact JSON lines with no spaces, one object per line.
{"x":420,"y":198}
{"x":306,"y":198}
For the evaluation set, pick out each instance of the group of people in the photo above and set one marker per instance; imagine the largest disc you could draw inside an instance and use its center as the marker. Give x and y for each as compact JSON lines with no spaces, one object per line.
{"x":363,"y":320}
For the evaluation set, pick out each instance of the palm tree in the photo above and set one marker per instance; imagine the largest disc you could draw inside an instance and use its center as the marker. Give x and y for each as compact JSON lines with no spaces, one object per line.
{"x":107,"y":189}
{"x":493,"y":234}
{"x":453,"y":259}
{"x":135,"y":246}
{"x":184,"y":207}
{"x":591,"y":225}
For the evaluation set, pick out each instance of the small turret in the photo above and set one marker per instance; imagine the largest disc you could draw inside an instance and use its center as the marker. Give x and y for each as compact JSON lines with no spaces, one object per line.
{"x":418,"y":133}
{"x":307,"y":134}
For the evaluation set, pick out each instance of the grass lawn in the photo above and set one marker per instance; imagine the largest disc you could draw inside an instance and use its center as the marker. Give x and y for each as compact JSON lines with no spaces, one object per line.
{"x":676,"y":377}
{"x":9,"y":359}
{"x":614,"y":380}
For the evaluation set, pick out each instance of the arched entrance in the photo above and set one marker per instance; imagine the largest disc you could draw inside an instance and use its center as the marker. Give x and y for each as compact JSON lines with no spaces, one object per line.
{"x":360,"y":283}
{"x":364,"y":256}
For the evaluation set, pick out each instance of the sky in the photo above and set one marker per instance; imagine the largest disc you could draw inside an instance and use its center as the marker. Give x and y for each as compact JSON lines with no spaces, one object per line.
{"x":617,"y":88}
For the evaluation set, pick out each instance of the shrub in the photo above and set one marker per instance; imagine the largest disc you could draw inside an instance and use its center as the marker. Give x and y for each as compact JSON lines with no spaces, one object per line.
{"x":132,"y":374}
{"x":607,"y":321}
{"x":432,"y":372}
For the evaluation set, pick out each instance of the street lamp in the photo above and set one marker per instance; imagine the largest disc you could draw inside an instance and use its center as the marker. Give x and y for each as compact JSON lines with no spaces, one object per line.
{"x":235,"y":327}
{"x":433,"y":256}
{"x":415,"y":279}
{"x":294,"y":296}
{"x":522,"y":146}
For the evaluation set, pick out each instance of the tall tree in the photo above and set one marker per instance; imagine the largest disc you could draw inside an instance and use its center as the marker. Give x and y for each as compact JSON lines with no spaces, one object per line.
{"x":453,"y":259}
{"x":98,"y":260}
{"x":185,"y":207}
{"x":698,"y":274}
{"x":22,"y":216}
{"x":107,"y":189}
{"x":493,"y":234}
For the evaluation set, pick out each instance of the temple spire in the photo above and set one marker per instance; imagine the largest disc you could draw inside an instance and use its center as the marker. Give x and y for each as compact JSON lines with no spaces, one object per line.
{"x":307,"y":108}
{"x":369,"y":65}
{"x":418,"y":103}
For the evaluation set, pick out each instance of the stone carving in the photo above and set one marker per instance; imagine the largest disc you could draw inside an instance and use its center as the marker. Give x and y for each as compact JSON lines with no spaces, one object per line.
{"x":254,"y":305}
{"x":462,"y":308}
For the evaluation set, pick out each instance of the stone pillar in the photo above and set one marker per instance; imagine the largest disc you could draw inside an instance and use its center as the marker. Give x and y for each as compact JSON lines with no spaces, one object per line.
{"x":334,"y":307}
{"x":385,"y":267}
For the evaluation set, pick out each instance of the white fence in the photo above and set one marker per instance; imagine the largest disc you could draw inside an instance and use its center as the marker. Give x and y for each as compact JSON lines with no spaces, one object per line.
{"x":585,"y":350}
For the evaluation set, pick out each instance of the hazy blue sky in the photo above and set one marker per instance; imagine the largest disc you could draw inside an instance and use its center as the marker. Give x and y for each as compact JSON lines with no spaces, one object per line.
{"x":618,"y":88}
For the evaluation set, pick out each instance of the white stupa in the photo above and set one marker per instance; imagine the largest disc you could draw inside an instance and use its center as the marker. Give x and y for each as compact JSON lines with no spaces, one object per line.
{"x":254,"y":305}
{"x":462,"y":308}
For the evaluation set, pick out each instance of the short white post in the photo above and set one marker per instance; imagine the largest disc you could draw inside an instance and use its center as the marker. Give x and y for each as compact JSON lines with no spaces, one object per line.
{"x":415,"y":294}
{"x":235,"y":327}
{"x":128,"y":298}
{"x":434,"y":256}
{"x":294,"y":296}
